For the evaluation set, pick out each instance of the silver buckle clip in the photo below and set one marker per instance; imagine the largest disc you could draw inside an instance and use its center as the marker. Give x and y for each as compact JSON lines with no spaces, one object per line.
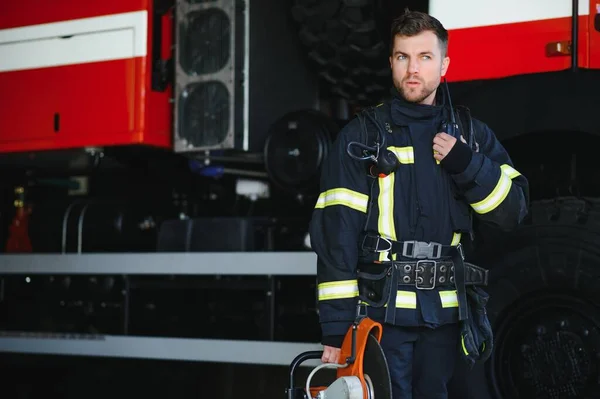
{"x":422,"y":250}
{"x":419,"y":279}
{"x":386,"y":240}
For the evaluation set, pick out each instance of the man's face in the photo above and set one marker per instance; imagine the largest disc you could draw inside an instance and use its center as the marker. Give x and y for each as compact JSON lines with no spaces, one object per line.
{"x":417,"y":66}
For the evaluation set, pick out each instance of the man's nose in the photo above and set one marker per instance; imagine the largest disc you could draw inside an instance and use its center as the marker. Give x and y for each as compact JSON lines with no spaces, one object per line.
{"x":413,"y":66}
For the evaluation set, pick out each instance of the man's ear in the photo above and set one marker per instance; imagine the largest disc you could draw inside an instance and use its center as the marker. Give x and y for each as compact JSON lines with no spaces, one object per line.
{"x":391,"y":61}
{"x":445,"y":64}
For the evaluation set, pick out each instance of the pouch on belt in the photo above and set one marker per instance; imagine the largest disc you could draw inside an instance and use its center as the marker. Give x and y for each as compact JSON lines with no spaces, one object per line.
{"x":477,"y":338}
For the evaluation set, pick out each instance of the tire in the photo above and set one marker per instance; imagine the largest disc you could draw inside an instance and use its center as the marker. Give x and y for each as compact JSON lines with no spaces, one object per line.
{"x":544,"y":307}
{"x":346,"y":48}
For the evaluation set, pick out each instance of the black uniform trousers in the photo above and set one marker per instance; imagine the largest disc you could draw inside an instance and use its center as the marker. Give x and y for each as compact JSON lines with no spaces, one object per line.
{"x":421,"y":360}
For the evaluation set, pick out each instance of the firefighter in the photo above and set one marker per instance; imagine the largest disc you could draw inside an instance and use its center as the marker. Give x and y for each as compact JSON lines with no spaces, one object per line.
{"x":398,"y":193}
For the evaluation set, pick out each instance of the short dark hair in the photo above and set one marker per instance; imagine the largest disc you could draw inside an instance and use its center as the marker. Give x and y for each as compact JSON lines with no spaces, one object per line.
{"x":412,"y":23}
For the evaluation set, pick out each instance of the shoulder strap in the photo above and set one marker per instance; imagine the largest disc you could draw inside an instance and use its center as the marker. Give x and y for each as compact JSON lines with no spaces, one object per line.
{"x":466,"y":126}
{"x":373,"y":118}
{"x":381,"y":114}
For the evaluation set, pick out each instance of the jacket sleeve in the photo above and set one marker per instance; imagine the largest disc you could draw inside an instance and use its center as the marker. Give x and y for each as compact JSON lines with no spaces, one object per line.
{"x":337,"y":221}
{"x":495,"y":190}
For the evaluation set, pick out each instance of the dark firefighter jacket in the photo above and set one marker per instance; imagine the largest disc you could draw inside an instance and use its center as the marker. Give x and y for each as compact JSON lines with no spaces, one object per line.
{"x":420,"y":201}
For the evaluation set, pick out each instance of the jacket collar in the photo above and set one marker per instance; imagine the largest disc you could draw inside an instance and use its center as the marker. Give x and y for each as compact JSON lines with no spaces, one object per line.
{"x":404,"y":113}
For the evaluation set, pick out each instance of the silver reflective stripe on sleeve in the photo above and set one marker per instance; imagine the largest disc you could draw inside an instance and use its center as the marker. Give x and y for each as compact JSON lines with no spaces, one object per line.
{"x":338,"y":290}
{"x":499,"y":193}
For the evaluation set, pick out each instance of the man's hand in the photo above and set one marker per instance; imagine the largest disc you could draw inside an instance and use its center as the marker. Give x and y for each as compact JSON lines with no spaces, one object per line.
{"x":442,"y":144}
{"x":330,"y":354}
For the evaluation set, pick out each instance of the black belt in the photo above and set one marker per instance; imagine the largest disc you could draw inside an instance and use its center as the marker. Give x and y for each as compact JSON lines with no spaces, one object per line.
{"x":428,"y":274}
{"x":430,"y":252}
{"x":407,"y":249}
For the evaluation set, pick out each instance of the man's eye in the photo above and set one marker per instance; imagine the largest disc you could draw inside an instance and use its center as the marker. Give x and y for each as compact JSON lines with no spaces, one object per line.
{"x":426,"y":57}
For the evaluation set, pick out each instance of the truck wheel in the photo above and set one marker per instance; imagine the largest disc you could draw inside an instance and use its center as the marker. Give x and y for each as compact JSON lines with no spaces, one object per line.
{"x":544,"y":307}
{"x":343,"y":42}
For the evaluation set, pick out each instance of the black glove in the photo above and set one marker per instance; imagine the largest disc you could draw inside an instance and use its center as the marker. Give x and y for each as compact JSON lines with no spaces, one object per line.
{"x":459,"y":157}
{"x":476,"y":334}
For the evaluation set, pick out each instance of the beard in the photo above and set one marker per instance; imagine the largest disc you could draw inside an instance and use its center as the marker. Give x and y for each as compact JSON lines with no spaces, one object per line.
{"x":415,"y":94}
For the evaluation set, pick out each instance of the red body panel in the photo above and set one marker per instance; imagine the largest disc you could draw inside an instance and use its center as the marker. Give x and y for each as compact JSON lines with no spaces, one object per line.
{"x":32,"y":12}
{"x":99,"y":103}
{"x":512,"y":49}
{"x":594,"y":34}
{"x":111,"y":102}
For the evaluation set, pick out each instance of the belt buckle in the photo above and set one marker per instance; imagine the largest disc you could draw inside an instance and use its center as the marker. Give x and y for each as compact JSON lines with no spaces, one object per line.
{"x":419,"y":279}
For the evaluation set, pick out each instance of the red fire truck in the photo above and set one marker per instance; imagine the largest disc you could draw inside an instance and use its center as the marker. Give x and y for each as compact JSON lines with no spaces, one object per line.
{"x":152,"y":145}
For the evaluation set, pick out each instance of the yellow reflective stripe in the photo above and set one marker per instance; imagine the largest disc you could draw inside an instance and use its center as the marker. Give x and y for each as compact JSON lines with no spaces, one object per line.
{"x":343,"y":196}
{"x":406,"y":155}
{"x":338,"y":290}
{"x":406,"y":300}
{"x":456,"y":238}
{"x":499,"y":192}
{"x":462,"y":342}
{"x":496,"y":197}
{"x":449,"y":299}
{"x":385,"y":203}
{"x":509,"y":171}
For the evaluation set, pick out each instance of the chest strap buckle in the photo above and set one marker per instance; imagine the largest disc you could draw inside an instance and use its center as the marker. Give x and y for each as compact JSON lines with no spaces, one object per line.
{"x":421,"y":250}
